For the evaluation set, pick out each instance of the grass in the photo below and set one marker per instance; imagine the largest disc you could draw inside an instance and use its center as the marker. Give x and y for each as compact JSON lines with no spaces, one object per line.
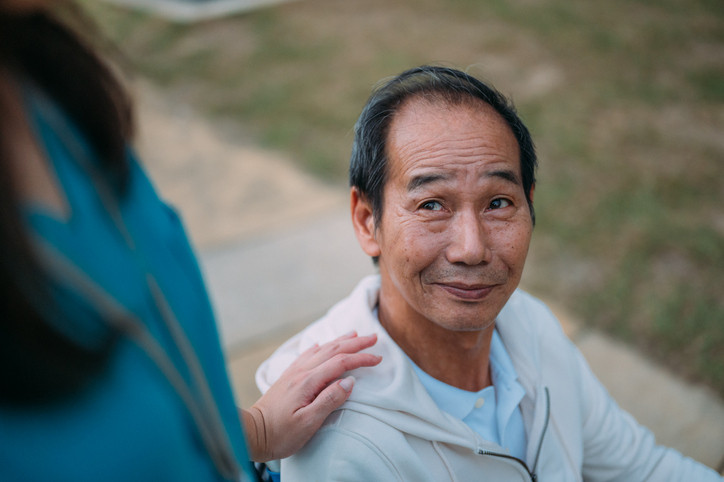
{"x":625,"y":99}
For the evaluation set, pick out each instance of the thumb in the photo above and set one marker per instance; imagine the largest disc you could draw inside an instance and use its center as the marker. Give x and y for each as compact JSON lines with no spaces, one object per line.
{"x":330,"y":399}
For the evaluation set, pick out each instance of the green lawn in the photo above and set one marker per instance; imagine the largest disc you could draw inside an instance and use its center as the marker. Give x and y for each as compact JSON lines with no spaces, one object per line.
{"x":624,"y":98}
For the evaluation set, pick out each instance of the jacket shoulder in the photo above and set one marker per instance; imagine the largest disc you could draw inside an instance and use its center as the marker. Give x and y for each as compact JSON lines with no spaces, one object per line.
{"x":349,"y":446}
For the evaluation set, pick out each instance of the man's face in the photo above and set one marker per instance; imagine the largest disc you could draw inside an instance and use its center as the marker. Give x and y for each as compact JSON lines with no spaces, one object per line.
{"x":455,"y":224}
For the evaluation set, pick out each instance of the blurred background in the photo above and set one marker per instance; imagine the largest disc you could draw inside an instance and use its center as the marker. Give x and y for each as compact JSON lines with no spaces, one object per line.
{"x":625,"y":99}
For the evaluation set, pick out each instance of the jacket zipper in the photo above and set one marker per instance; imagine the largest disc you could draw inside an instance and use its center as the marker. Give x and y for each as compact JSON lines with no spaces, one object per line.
{"x":531,"y":473}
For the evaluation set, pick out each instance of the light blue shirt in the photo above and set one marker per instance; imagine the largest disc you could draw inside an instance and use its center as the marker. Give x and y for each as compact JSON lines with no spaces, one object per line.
{"x":494,"y":411}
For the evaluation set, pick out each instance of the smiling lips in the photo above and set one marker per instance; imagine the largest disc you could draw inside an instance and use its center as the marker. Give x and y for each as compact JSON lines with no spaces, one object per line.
{"x":467,"y":292}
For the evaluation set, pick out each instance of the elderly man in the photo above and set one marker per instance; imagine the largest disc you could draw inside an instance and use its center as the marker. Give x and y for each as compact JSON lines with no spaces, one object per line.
{"x":477,"y":382}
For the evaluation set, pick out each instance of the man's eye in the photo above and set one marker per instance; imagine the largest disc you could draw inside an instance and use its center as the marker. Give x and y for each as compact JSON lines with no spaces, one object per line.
{"x":499,"y":203}
{"x":431,"y":206}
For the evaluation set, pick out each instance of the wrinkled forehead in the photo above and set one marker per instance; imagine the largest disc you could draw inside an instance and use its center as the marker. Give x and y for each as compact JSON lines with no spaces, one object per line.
{"x":433,"y":129}
{"x":426,"y":107}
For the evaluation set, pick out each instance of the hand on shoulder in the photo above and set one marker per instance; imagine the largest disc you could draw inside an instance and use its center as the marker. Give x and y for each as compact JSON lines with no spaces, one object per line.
{"x":293,"y":409}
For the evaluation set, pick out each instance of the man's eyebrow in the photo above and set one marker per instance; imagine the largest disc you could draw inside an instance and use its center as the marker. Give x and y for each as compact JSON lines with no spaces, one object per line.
{"x":505,"y":174}
{"x":423,"y":179}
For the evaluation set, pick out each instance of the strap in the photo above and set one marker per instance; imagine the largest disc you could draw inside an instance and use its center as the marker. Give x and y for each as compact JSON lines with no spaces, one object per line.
{"x":205,"y":415}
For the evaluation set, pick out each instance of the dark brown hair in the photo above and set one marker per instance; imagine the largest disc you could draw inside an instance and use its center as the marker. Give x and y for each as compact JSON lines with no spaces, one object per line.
{"x":37,"y":363}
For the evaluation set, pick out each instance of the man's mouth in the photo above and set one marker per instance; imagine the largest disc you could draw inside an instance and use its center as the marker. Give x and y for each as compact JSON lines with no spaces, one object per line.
{"x":467,"y":292}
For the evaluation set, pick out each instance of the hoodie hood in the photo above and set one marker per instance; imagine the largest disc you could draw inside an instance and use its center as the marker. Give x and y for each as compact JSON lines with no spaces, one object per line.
{"x":564,"y":410}
{"x":390,"y":391}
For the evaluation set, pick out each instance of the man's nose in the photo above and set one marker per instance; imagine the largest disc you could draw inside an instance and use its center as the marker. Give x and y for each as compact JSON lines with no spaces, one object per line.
{"x":469,"y":241}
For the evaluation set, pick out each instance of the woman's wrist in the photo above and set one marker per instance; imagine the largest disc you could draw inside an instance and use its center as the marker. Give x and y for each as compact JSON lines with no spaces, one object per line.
{"x":255,"y":429}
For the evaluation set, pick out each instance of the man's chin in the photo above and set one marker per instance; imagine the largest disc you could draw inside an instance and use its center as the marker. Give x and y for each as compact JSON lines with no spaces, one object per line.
{"x":455,"y":315}
{"x":465,"y":324}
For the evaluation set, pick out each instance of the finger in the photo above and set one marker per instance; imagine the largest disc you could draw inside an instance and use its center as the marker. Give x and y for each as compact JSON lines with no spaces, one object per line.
{"x":346,"y":336}
{"x":309,"y":351}
{"x":358,"y":343}
{"x":315,"y":348}
{"x":303,"y":359}
{"x":327,"y":401}
{"x":350,"y":334}
{"x":349,"y":343}
{"x":319,"y":378}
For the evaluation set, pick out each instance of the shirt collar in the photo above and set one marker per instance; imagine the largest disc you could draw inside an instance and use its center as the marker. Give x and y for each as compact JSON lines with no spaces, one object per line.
{"x":509,"y":392}
{"x":460,"y":403}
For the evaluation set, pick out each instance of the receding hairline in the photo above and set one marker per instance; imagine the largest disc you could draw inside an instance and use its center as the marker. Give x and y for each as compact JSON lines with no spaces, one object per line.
{"x":440,"y":98}
{"x":447,"y":100}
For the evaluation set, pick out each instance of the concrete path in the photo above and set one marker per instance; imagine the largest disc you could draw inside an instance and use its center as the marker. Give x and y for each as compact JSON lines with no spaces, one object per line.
{"x":277,"y":250}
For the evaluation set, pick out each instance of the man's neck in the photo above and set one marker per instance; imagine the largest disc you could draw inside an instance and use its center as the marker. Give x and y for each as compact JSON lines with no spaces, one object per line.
{"x":458,"y":358}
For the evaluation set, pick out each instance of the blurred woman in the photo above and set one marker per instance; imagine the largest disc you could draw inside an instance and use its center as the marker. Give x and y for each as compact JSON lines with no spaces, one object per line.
{"x":110,"y":362}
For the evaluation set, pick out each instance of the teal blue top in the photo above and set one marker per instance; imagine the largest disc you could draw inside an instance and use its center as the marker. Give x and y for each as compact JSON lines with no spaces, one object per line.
{"x":132,"y":422}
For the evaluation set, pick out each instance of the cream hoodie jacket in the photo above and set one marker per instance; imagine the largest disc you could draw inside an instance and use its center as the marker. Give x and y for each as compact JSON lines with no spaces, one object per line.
{"x":391,"y":430}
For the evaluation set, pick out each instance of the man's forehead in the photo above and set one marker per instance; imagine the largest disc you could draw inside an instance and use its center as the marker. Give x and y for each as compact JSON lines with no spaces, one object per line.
{"x":430,"y":139}
{"x":420,"y":178}
{"x":437,"y":117}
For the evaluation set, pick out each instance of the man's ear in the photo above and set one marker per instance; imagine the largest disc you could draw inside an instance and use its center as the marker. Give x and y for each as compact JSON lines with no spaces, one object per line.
{"x":364,"y":223}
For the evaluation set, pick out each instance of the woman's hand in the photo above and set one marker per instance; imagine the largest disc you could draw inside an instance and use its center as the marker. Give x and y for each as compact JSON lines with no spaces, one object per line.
{"x":293,"y":409}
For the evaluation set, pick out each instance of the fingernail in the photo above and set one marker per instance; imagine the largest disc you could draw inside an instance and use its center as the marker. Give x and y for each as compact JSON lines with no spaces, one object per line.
{"x":347,"y":383}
